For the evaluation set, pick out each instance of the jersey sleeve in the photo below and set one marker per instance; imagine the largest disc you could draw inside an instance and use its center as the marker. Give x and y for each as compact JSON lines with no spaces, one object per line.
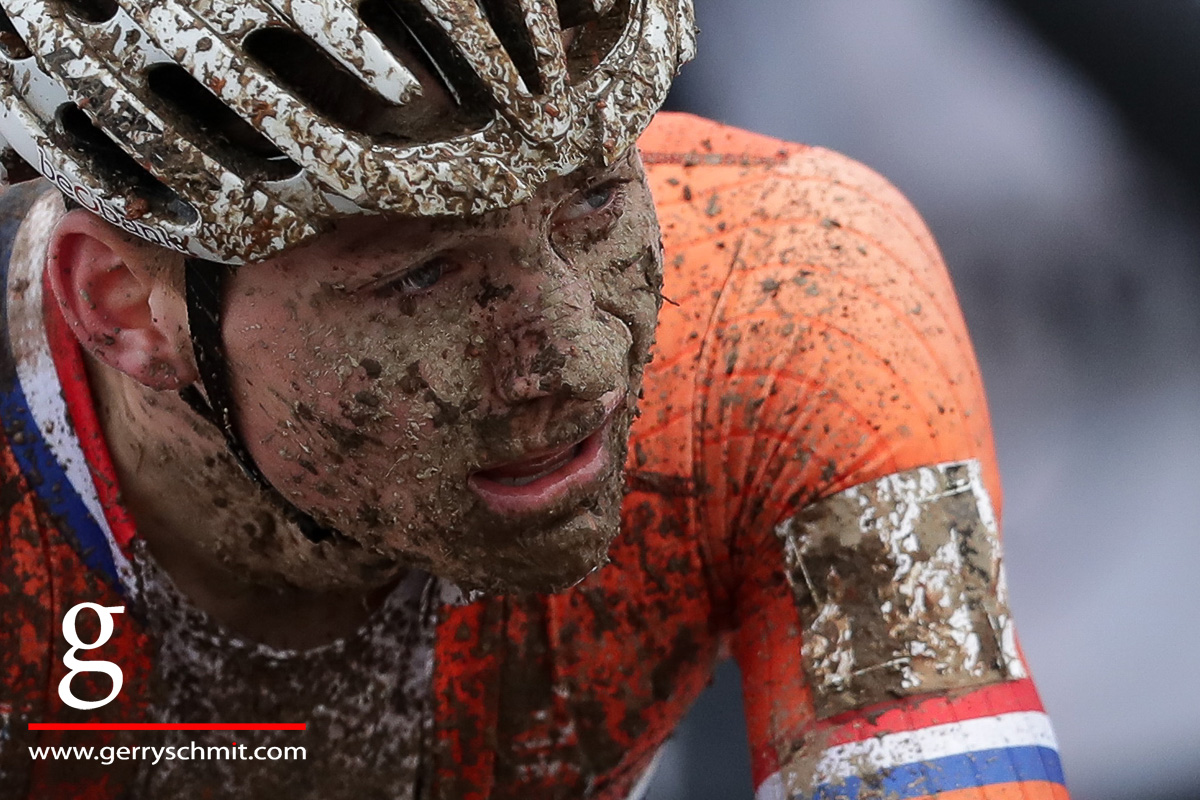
{"x":848,"y":491}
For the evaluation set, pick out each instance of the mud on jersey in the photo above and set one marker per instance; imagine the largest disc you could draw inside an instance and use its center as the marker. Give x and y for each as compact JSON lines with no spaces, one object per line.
{"x":811,"y":487}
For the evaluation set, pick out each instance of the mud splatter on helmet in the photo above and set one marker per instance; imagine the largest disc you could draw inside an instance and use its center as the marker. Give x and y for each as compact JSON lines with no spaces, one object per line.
{"x":234,"y":129}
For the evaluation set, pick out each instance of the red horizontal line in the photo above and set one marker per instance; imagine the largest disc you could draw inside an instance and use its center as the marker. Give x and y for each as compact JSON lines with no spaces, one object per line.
{"x":164,"y":726}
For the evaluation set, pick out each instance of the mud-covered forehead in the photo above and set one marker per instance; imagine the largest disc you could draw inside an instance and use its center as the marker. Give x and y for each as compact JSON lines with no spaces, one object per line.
{"x":235,"y":129}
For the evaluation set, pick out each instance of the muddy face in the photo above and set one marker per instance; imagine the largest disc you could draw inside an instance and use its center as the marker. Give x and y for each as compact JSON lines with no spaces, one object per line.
{"x":457,"y":394}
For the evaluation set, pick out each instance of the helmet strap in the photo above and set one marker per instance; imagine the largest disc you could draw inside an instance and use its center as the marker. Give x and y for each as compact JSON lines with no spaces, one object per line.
{"x":205,"y":294}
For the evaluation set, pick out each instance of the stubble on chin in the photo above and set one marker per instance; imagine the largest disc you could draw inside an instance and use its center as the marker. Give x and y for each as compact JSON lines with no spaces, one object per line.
{"x":482,"y":552}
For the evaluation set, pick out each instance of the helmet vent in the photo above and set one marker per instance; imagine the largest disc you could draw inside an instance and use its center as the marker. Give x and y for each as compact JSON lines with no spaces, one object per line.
{"x":91,"y":10}
{"x":594,"y":34}
{"x":508,"y":21}
{"x":233,"y":140}
{"x":11,"y":43}
{"x":311,"y":73}
{"x":121,"y":175}
{"x":572,"y":13}
{"x":428,"y":52}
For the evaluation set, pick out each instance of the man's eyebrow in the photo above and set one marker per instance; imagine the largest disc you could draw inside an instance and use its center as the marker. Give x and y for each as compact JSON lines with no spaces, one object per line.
{"x":367,"y":240}
{"x":384,"y":273}
{"x":593,"y":173}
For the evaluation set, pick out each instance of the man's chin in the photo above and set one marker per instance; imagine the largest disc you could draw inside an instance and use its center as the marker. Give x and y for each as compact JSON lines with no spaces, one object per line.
{"x":481,"y":550}
{"x":480,"y":555}
{"x":538,"y":562}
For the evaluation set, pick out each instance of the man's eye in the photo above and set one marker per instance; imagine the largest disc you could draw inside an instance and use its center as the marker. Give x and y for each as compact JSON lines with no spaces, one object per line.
{"x":593,"y":200}
{"x":423,"y":277}
{"x":599,"y":197}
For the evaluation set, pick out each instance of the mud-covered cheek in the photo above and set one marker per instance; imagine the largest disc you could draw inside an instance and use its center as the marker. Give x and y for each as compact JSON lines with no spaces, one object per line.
{"x":629,"y":287}
{"x":342,"y":396}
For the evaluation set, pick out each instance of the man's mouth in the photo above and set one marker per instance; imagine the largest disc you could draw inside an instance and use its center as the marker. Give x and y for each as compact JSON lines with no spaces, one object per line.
{"x":541,"y":480}
{"x":523,"y":473}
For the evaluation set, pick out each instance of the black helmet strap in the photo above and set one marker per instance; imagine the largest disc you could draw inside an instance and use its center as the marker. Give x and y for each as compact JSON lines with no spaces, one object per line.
{"x":205,"y":296}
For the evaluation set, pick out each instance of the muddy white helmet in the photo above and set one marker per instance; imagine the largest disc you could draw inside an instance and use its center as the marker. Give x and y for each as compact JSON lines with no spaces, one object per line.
{"x":233,"y":129}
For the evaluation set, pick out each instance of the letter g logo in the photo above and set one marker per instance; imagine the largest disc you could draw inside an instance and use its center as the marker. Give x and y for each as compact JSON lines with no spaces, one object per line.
{"x":77,"y":666}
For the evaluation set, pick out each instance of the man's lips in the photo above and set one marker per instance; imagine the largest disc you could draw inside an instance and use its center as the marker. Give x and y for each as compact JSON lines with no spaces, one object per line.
{"x":542,"y":479}
{"x":523,"y":473}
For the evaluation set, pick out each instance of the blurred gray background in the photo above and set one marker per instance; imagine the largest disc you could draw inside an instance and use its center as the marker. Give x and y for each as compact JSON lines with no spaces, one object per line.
{"x":1052,"y":148}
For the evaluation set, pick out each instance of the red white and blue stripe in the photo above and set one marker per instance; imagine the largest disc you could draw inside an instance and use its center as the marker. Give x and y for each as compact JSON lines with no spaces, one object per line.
{"x":998,"y":738}
{"x":33,"y":408}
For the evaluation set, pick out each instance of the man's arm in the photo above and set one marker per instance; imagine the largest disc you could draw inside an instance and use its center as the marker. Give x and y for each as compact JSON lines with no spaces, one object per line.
{"x":907,"y":649}
{"x":850,"y":493}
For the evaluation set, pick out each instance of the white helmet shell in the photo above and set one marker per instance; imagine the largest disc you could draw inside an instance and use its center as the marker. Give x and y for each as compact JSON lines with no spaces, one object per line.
{"x":234,"y":129}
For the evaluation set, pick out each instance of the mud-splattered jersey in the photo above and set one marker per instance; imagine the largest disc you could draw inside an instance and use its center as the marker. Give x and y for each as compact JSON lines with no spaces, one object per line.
{"x":811,"y":488}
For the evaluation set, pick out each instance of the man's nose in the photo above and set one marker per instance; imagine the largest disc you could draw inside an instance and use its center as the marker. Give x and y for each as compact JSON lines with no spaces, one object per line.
{"x":549,"y":338}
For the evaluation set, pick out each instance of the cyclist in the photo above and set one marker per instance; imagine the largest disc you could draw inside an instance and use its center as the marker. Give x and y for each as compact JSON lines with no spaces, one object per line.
{"x":399,"y":376}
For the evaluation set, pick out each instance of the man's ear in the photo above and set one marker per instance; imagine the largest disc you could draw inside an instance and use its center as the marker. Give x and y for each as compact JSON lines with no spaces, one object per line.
{"x":115,"y":293}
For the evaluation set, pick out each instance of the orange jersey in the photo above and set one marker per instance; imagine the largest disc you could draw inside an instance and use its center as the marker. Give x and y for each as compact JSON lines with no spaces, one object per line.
{"x":811,"y":367}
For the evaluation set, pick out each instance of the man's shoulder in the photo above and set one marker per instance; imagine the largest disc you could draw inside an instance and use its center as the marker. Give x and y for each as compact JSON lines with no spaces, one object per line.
{"x":699,"y":145}
{"x":688,"y":140}
{"x":732,"y":200}
{"x":764,"y":239}
{"x":711,"y":178}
